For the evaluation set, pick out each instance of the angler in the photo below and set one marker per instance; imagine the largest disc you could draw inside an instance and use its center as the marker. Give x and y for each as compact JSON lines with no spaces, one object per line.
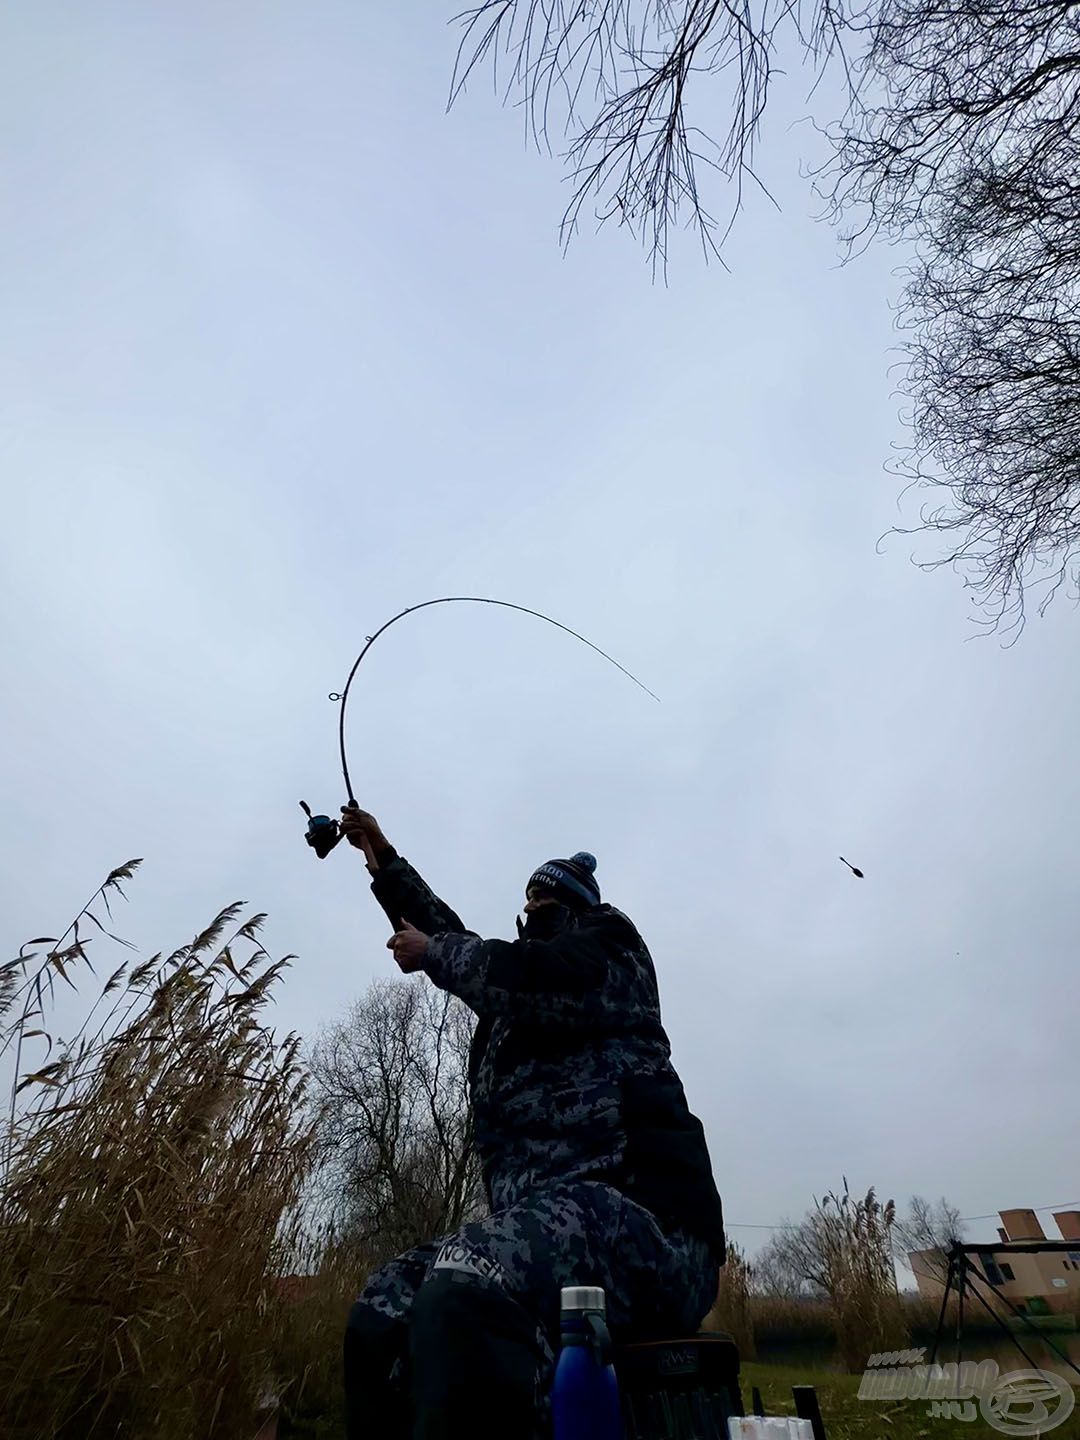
{"x":595,"y":1169}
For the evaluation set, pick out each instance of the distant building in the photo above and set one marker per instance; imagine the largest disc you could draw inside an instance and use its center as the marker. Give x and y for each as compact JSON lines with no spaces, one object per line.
{"x":1051,"y":1278}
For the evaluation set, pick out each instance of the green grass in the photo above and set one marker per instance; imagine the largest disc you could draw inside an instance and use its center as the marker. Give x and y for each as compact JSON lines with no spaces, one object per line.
{"x":847,"y":1417}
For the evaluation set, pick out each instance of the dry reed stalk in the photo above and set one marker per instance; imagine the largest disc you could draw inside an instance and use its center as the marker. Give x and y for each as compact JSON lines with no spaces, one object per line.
{"x":856,"y":1257}
{"x":150,"y":1167}
{"x":732,"y":1310}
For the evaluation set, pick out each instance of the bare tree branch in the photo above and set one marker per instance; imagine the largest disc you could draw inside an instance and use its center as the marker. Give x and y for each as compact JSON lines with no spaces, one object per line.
{"x":616,"y":76}
{"x":930,"y":1228}
{"x":965,"y":140}
{"x":961,"y":135}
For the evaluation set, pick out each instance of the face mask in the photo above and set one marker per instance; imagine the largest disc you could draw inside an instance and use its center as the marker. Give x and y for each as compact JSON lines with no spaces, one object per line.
{"x":545,"y":923}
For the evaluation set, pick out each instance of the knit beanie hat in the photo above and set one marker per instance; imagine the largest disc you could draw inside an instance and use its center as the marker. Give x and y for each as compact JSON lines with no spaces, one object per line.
{"x":572,"y":881}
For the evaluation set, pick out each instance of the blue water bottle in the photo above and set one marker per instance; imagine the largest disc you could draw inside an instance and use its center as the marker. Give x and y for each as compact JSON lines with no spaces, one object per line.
{"x":585,"y":1400}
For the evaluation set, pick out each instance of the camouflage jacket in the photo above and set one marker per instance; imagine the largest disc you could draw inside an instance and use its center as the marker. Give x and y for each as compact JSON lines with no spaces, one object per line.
{"x":570,"y":1070}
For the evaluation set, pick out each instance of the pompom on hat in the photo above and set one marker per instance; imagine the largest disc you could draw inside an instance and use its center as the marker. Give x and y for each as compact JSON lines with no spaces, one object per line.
{"x":573,"y":881}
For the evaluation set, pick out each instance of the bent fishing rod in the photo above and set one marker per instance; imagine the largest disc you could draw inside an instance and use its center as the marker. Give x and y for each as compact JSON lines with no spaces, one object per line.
{"x":323,"y":833}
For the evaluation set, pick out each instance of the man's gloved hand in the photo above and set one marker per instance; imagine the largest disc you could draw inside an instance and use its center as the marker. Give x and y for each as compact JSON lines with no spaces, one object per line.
{"x":364,"y":833}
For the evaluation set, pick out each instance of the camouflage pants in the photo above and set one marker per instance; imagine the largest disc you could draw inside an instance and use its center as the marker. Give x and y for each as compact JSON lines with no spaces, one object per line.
{"x":491,"y":1292}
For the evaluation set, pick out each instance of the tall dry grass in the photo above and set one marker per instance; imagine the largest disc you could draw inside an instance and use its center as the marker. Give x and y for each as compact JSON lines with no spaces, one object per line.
{"x":150,"y":1166}
{"x":855,"y":1250}
{"x":307,"y":1349}
{"x":732,"y":1310}
{"x":781,"y":1323}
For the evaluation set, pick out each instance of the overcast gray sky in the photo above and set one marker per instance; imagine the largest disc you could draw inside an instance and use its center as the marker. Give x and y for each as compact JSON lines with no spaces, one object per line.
{"x":286,"y":348}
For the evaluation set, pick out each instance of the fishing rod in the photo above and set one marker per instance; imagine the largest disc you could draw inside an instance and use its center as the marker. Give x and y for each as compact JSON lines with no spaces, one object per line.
{"x":323,"y":833}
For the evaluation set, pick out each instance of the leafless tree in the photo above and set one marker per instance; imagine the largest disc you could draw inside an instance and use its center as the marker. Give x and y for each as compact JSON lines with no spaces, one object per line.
{"x":961,"y":136}
{"x":788,"y":1266}
{"x":616,"y":76}
{"x":927,"y":1226}
{"x":390,"y":1081}
{"x":966,"y":141}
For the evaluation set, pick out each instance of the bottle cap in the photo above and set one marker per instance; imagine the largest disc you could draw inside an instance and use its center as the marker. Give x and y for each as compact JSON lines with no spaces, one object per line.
{"x":583,"y":1297}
